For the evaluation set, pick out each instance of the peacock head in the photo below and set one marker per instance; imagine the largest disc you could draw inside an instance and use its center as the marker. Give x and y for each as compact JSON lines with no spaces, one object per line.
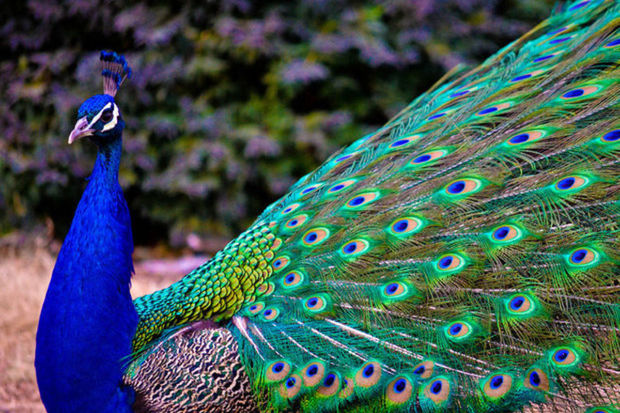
{"x":99,"y":117}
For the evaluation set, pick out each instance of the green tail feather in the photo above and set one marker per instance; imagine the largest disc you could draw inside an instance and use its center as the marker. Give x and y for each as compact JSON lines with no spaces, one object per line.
{"x":462,"y":258}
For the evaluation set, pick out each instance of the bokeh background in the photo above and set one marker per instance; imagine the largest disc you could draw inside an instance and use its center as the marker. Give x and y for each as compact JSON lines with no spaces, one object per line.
{"x":231,"y":102}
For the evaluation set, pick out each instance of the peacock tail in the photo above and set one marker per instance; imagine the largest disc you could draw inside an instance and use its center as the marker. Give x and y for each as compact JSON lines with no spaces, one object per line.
{"x":464,"y":257}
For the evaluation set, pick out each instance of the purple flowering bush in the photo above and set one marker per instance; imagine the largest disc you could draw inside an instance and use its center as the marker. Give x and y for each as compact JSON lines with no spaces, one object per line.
{"x":230,"y":102}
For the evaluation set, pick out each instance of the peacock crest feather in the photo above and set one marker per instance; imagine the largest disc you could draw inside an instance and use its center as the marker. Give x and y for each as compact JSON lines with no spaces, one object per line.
{"x":464,"y":257}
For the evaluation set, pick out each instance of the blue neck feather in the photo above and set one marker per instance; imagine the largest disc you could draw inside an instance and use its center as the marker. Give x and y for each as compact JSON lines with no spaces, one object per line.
{"x":88,"y":319}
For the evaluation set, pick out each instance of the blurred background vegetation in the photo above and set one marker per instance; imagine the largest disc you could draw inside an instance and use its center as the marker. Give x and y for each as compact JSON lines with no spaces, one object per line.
{"x":231,"y":101}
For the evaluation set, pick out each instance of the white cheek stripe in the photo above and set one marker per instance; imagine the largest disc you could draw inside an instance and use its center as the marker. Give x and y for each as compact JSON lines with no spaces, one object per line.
{"x":98,"y":115}
{"x":111,"y":124}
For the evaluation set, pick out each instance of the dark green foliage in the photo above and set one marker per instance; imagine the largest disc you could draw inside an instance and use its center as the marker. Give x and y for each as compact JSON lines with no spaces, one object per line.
{"x":230,"y":101}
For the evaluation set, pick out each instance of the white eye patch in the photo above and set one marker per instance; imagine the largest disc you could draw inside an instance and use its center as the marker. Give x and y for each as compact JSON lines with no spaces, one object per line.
{"x":112,"y":123}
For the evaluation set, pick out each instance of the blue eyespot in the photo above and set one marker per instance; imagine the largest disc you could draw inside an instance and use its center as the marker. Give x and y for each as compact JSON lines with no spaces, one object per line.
{"x":543,"y":58}
{"x":461,"y":93}
{"x":612,"y":136}
{"x":329,"y":380}
{"x":290,"y":382}
{"x":573,"y":93}
{"x":456,"y":328}
{"x":253,"y":307}
{"x":391,"y":289}
{"x":560,"y":355}
{"x":436,"y":387}
{"x":422,"y":158}
{"x":487,"y":110}
{"x":400,"y":385}
{"x":400,"y":142}
{"x":290,"y":278}
{"x":401,"y":225}
{"x":278,"y":367}
{"x":566,"y":183}
{"x":522,"y":77}
{"x":496,"y":382}
{"x":312,"y":370}
{"x":613,"y":43}
{"x":560,"y":40}
{"x":579,"y":5}
{"x":313,"y":302}
{"x":420,"y":370}
{"x":519,"y":138}
{"x":535,"y":379}
{"x":556,"y":31}
{"x":311,"y":237}
{"x":456,"y":187}
{"x":343,"y":157}
{"x":336,"y":188}
{"x":368,"y":371}
{"x":437,"y":116}
{"x":350,"y":248}
{"x":356,"y":201}
{"x":267,"y":313}
{"x":517,"y":302}
{"x":501,"y":233}
{"x":578,"y":256}
{"x":446,"y":261}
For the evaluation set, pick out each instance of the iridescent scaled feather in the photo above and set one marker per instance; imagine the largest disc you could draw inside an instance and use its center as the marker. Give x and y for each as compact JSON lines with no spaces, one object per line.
{"x":462,"y":258}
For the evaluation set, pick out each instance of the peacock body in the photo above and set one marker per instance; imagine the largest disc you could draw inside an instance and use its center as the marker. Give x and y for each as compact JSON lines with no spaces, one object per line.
{"x":88,"y":319}
{"x":464,"y":257}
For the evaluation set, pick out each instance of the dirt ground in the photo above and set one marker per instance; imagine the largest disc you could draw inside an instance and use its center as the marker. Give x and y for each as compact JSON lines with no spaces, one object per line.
{"x":24,"y":275}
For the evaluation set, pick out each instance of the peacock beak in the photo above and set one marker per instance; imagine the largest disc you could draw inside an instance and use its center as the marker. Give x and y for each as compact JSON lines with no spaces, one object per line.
{"x":80,"y":130}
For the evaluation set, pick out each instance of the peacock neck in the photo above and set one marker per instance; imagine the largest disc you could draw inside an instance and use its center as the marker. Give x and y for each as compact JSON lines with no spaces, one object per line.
{"x":88,"y":319}
{"x":108,"y":162}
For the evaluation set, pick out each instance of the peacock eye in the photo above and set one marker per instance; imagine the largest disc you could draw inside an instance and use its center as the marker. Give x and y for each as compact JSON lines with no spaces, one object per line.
{"x":106,"y":116}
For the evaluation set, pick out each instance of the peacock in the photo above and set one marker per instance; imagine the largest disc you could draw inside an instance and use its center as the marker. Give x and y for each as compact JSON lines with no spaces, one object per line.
{"x":464,"y":258}
{"x":88,"y":319}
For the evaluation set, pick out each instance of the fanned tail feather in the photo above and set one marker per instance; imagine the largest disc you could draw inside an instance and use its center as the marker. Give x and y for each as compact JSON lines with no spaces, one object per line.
{"x":465,"y":256}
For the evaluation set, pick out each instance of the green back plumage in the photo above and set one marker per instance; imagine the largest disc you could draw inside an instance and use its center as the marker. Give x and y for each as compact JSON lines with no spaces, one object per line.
{"x":462,"y":258}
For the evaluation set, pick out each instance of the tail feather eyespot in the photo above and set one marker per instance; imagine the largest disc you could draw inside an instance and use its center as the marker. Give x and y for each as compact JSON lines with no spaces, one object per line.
{"x":277,"y":370}
{"x":583,"y":257}
{"x":330,"y":385}
{"x":293,"y":279}
{"x":290,"y":208}
{"x":536,"y":379}
{"x":270,"y":313}
{"x":296,"y":222}
{"x":315,"y":236}
{"x":437,"y":391}
{"x":399,"y":390}
{"x":312,"y":374}
{"x":291,"y":386}
{"x":354,"y":248}
{"x":368,"y":375}
{"x":425,"y":369}
{"x":497,"y":385}
{"x":255,"y":308}
{"x":406,"y":226}
{"x":463,"y":187}
{"x":362,"y":200}
{"x":404,"y":141}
